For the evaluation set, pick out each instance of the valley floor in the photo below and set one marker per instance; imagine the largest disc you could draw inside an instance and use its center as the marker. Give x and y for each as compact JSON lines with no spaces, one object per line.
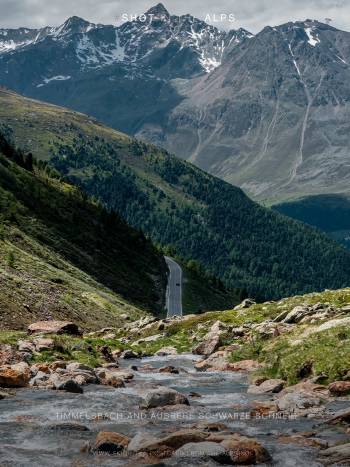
{"x":265,"y":384}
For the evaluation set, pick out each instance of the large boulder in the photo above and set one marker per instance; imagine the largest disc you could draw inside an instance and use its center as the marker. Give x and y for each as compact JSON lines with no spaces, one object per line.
{"x":340,"y":416}
{"x":297,"y":314}
{"x":54,"y":327}
{"x":65,"y":383}
{"x":162,"y":397}
{"x":109,"y":443}
{"x":209,"y":345}
{"x":336,"y":455}
{"x":212,"y":340}
{"x":268,"y":386}
{"x":241,"y":449}
{"x":15,"y":376}
{"x":111,"y":379}
{"x":293,"y":401}
{"x":205,"y":449}
{"x":108,"y":373}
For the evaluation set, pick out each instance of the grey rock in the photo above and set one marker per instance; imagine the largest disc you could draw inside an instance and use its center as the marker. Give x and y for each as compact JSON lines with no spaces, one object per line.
{"x":247,"y":303}
{"x":268,"y":386}
{"x":162,"y":397}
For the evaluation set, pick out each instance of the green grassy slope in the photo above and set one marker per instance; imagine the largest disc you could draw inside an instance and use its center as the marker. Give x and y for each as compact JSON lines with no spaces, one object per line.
{"x":204,"y":218}
{"x":63,"y":256}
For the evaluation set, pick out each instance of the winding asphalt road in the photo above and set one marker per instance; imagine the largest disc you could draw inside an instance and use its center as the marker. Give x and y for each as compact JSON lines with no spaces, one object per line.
{"x":174,"y":288}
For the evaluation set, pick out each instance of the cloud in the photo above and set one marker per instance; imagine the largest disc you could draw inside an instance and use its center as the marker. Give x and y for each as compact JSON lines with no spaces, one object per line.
{"x":250,"y":14}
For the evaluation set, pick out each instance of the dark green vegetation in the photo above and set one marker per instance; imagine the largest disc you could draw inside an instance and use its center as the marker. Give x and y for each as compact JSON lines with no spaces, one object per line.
{"x":203,"y":218}
{"x":201,"y":292}
{"x":64,"y":256}
{"x":330,"y":213}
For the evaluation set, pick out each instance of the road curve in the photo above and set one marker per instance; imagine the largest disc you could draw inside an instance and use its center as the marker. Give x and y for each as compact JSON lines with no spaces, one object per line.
{"x":174,"y":288}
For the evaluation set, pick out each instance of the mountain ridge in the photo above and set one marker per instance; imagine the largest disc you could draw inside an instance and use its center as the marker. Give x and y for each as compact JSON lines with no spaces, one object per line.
{"x":267,"y":112}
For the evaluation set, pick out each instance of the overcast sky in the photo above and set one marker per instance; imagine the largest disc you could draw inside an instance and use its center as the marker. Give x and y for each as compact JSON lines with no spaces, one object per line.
{"x":250,"y":14}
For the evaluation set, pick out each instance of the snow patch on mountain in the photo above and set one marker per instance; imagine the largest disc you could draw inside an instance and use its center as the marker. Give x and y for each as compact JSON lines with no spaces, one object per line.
{"x":313,"y":37}
{"x":54,"y":78}
{"x":104,"y":54}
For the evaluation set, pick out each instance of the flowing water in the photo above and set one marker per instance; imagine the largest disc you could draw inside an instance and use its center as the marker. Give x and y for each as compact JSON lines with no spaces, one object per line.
{"x":36,"y":425}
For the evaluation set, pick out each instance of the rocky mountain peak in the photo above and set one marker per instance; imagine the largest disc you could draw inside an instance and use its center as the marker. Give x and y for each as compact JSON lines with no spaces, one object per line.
{"x":158,"y":11}
{"x":74,"y":25}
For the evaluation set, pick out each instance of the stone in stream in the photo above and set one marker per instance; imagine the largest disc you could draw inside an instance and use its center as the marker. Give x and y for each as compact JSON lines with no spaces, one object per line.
{"x":162,"y":397}
{"x":336,"y":455}
{"x":172,"y":441}
{"x":204,"y":449}
{"x":268,"y":386}
{"x":241,"y":449}
{"x":165,"y":351}
{"x":217,"y":362}
{"x":339,"y":388}
{"x":106,"y":373}
{"x":169,"y":369}
{"x":303,"y":398}
{"x":65,"y":383}
{"x":15,"y":376}
{"x":109,"y":442}
{"x":3,"y":395}
{"x":111,"y":380}
{"x":54,"y":327}
{"x":340,"y":416}
{"x":69,"y":385}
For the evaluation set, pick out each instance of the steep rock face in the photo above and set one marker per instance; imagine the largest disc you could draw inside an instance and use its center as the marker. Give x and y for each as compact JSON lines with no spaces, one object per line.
{"x":274,"y":117}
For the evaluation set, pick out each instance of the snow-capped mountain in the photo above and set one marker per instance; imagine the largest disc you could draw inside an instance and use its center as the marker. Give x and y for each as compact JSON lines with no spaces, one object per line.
{"x":151,"y":37}
{"x":270,"y":112}
{"x":274,"y":118}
